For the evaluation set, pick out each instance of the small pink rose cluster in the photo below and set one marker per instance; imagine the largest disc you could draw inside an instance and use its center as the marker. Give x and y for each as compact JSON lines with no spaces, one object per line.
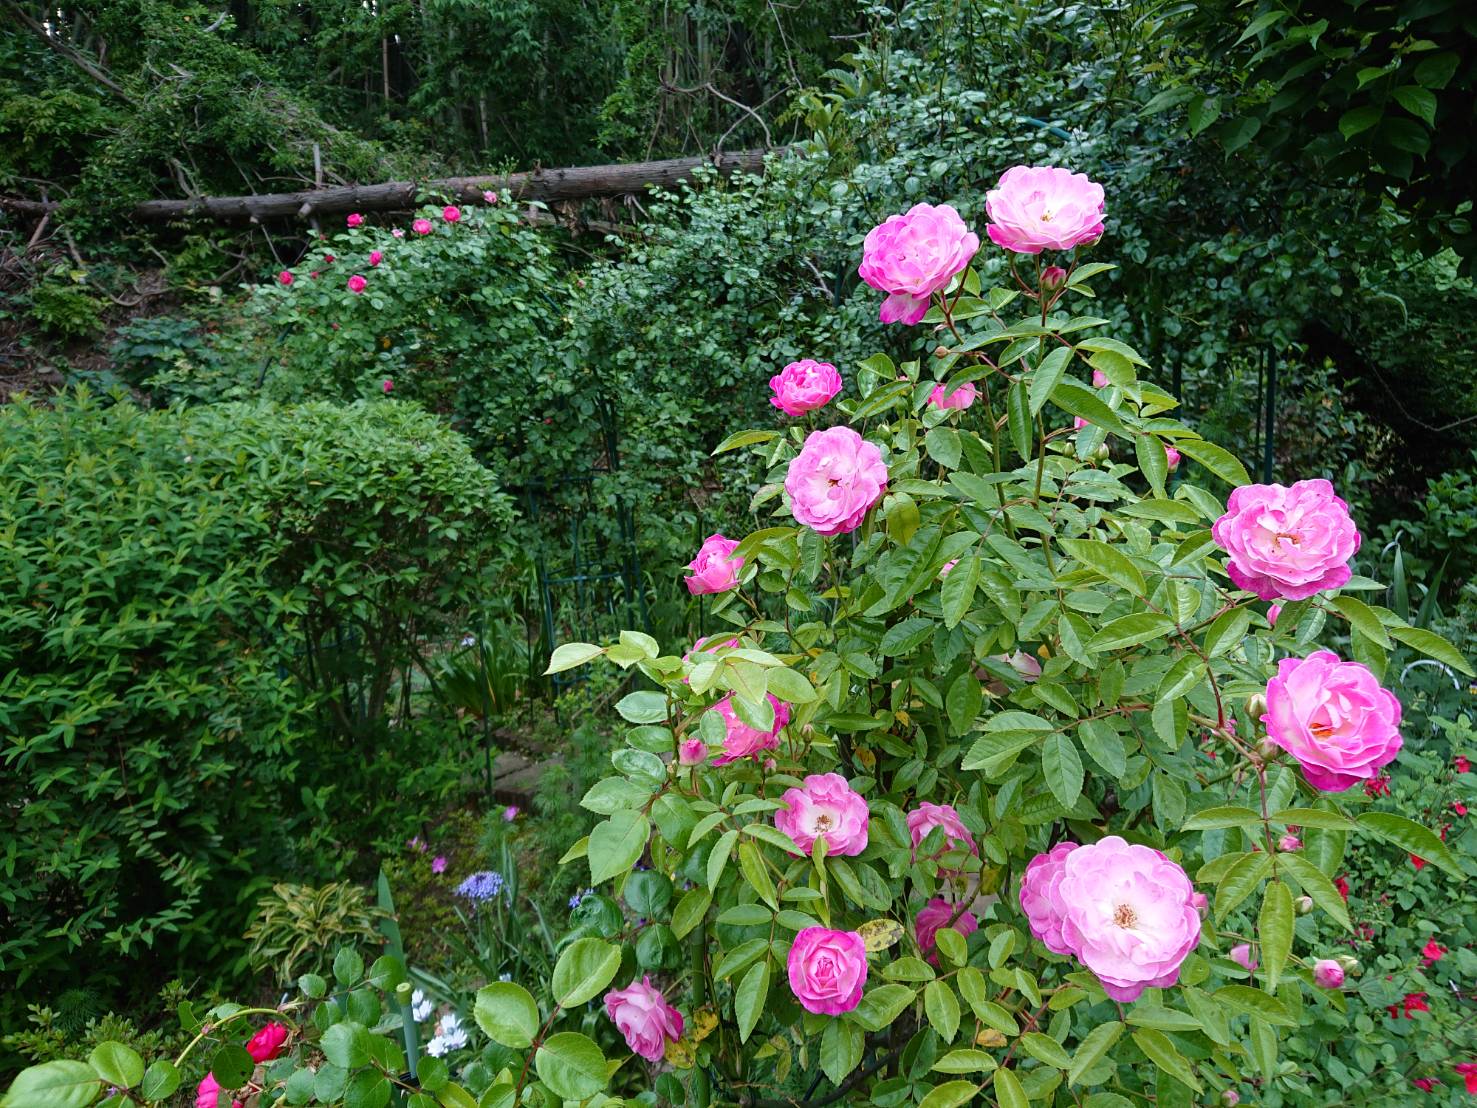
{"x":827,"y":970}
{"x":937,"y":914}
{"x":1123,"y":910}
{"x":264,"y":1046}
{"x":956,"y":400}
{"x":835,"y":480}
{"x":1036,"y":208}
{"x":825,"y":807}
{"x":945,"y":817}
{"x":715,"y":569}
{"x":1333,"y":718}
{"x":1287,"y":543}
{"x":742,"y":741}
{"x":804,"y":386}
{"x":644,"y":1017}
{"x":912,"y":256}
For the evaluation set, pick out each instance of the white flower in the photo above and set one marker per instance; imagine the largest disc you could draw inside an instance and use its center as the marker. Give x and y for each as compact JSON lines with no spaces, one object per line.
{"x":420,"y":1007}
{"x":450,"y":1035}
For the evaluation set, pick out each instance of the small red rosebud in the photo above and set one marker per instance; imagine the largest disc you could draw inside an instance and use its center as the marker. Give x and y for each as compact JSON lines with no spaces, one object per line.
{"x":1053,"y":277}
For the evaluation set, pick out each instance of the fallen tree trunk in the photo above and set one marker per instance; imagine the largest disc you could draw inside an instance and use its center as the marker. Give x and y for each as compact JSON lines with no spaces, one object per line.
{"x":575,"y":183}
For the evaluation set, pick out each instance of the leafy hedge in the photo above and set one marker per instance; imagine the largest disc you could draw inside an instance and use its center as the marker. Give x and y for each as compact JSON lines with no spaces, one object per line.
{"x":176,"y":580}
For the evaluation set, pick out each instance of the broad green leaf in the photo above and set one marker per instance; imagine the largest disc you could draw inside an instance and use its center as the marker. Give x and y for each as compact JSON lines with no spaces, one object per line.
{"x":1107,"y":561}
{"x":162,"y":1078}
{"x":1161,"y":1051}
{"x":1433,"y":645}
{"x":1008,"y":1090}
{"x":584,"y":969}
{"x":1240,"y":881}
{"x":1412,"y":838}
{"x":749,"y":997}
{"x":881,"y":1005}
{"x":616,"y":844}
{"x":117,"y":1064}
{"x":1153,"y":461}
{"x":345,"y":1044}
{"x":1131,"y":630}
{"x":957,"y":592}
{"x":791,"y":686}
{"x":59,"y":1084}
{"x":1218,"y":461}
{"x":570,"y":654}
{"x":1077,"y":399}
{"x":1046,"y":1049}
{"x":1020,"y":424}
{"x":1227,"y":632}
{"x":1063,"y":768}
{"x":1244,"y":998}
{"x":842,"y":1044}
{"x":1094,"y":1045}
{"x":1274,"y":931}
{"x":1362,"y":616}
{"x":744,"y":438}
{"x":757,"y":874}
{"x":965,"y":1060}
{"x":1316,"y":884}
{"x":1047,"y":375}
{"x":571,"y":1065}
{"x":951,"y":1094}
{"x":963,"y":702}
{"x":1227,"y":816}
{"x":942,"y":1009}
{"x":507,"y":1014}
{"x":1314,"y":817}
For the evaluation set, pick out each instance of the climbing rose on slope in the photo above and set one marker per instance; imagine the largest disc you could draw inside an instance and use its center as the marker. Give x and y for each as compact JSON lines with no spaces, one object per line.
{"x":742,"y":741}
{"x":910,"y":257}
{"x":1287,"y":543}
{"x":715,"y":569}
{"x":827,"y":970}
{"x":1333,"y":718}
{"x":804,"y":386}
{"x":644,"y":1017}
{"x":834,"y":480}
{"x":825,"y":807}
{"x":1124,"y":911}
{"x":1036,"y":208}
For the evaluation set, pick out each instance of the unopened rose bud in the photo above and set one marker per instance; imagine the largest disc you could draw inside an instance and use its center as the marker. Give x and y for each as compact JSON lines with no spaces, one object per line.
{"x":770,"y":765}
{"x":941,"y":352}
{"x":1101,"y":454}
{"x":1172,"y":457}
{"x":1201,"y":903}
{"x":1289,"y":843}
{"x":1350,"y":964}
{"x":1267,"y":750}
{"x":1256,"y":706}
{"x":1328,"y":974}
{"x":692,"y":752}
{"x":1053,"y":277}
{"x":1303,"y":905}
{"x":1230,"y":1096}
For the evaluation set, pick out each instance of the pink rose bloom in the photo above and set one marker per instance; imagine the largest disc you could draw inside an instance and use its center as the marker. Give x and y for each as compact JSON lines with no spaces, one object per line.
{"x":1328,"y":974}
{"x":208,"y":1093}
{"x":910,"y":257}
{"x":266,"y":1044}
{"x":1272,"y":613}
{"x":388,"y":385}
{"x":1287,"y":542}
{"x":834,"y":480}
{"x":451,"y":213}
{"x":1124,"y":911}
{"x":714,"y":569}
{"x":825,"y":807}
{"x":375,"y":257}
{"x":398,"y":232}
{"x":947,"y":568}
{"x":925,"y":817}
{"x":1289,"y":843}
{"x":1334,"y":718}
{"x":489,"y":196}
{"x":692,"y":752}
{"x":827,"y":970}
{"x":1099,"y":379}
{"x":1040,"y":897}
{"x":934,"y":915}
{"x":438,"y":864}
{"x":1172,"y":456}
{"x":741,"y":740}
{"x":644,"y":1017}
{"x":958,"y":400}
{"x":421,"y":227}
{"x":1036,"y":208}
{"x":804,"y":386}
{"x":355,"y":220}
{"x":284,"y":278}
{"x":1241,"y":955}
{"x":510,"y":813}
{"x":356,"y":284}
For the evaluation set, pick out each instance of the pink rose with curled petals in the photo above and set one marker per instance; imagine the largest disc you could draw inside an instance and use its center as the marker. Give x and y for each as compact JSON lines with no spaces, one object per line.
{"x":1289,"y":843}
{"x":355,"y":219}
{"x":644,"y":1017}
{"x":927,"y":816}
{"x":1328,"y":974}
{"x":715,"y":569}
{"x":388,"y":385}
{"x":804,"y":386}
{"x":357,"y":284}
{"x":834,"y":480}
{"x":1124,"y":911}
{"x":1241,"y":955}
{"x":266,"y":1044}
{"x":827,"y":970}
{"x":451,"y":213}
{"x":489,"y":197}
{"x":957,"y":400}
{"x":742,"y":741}
{"x":1272,"y":613}
{"x":375,"y":257}
{"x":1099,"y":379}
{"x":398,"y":232}
{"x":208,"y":1093}
{"x":1201,"y":903}
{"x":692,"y":752}
{"x":910,"y":257}
{"x":1036,"y":208}
{"x":938,"y":913}
{"x":708,"y":645}
{"x":825,"y":807}
{"x":947,"y":568}
{"x":422,"y":227}
{"x":1172,"y":456}
{"x":284,"y":278}
{"x":1333,"y":718}
{"x":1287,"y":543}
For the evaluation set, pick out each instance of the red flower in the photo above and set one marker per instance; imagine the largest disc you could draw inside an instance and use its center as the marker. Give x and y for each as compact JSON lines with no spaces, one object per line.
{"x":1425,"y":1084}
{"x":1342,"y":885}
{"x":1458,"y":807}
{"x":1431,"y":953}
{"x":1418,"y":863}
{"x":266,"y":1044}
{"x":328,"y":258}
{"x":1468,"y":1070}
{"x":1380,"y":786}
{"x":1415,"y":1002}
{"x":1462,"y":765}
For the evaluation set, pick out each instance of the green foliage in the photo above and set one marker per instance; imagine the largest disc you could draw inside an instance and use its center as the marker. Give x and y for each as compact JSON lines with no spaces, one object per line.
{"x":197,"y":595}
{"x":297,"y":927}
{"x":61,"y":304}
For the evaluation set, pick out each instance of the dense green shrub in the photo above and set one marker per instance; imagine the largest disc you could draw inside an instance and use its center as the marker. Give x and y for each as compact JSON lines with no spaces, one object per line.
{"x":208,"y":611}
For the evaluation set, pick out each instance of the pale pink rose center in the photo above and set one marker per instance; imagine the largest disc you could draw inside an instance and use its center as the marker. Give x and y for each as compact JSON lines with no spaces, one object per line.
{"x":1125,"y":916}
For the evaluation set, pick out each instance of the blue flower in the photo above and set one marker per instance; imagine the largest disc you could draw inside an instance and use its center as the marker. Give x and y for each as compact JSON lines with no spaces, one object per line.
{"x":481,"y":886}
